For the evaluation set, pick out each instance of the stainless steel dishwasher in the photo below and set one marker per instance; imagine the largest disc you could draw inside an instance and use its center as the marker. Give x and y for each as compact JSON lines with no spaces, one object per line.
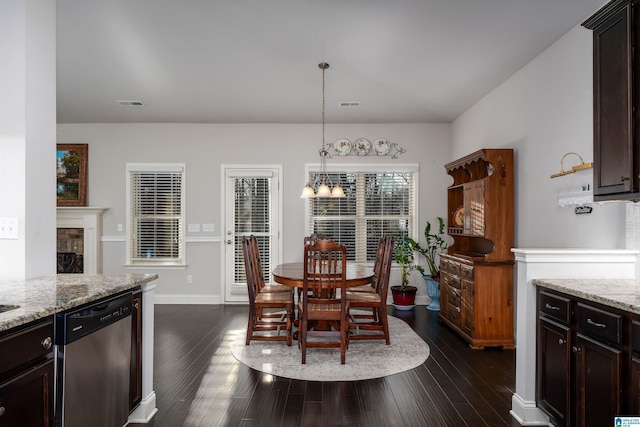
{"x":93,"y":348}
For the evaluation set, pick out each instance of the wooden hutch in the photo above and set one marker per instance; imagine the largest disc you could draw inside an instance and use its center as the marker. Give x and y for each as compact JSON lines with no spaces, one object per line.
{"x":476,"y":274}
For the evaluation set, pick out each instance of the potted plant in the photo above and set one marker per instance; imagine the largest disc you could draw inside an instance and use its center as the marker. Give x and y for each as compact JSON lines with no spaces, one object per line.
{"x":435,"y":244}
{"x":404,"y":295}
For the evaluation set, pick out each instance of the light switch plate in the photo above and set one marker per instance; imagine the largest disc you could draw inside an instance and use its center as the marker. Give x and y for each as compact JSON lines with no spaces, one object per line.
{"x":9,"y":228}
{"x":208,"y":228}
{"x":194,"y":228}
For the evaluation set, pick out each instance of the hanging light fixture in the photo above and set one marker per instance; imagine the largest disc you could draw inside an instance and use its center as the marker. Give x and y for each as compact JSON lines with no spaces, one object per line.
{"x":322,"y":185}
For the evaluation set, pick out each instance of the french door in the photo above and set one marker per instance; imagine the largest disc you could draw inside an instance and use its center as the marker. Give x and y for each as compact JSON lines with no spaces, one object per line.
{"x":252,"y":203}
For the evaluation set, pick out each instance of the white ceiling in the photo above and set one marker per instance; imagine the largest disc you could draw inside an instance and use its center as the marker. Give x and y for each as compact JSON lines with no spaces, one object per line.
{"x":256,"y":61}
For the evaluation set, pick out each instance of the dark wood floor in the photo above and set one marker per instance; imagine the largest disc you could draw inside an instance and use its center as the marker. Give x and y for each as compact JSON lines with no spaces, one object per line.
{"x":199,"y":383}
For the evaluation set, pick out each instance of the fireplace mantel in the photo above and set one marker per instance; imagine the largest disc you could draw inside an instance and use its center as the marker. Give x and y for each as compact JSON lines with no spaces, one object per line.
{"x":87,"y":218}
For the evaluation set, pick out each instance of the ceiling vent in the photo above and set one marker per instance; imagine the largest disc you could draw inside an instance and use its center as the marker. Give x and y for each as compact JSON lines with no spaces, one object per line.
{"x":134,"y":103}
{"x":349,"y":104}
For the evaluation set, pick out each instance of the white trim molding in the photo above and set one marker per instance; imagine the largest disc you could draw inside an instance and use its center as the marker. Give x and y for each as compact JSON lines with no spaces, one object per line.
{"x":89,"y":219}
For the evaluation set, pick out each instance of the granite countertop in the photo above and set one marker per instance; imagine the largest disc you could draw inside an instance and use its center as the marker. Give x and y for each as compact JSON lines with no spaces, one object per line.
{"x":38,"y":298}
{"x":623,"y":294}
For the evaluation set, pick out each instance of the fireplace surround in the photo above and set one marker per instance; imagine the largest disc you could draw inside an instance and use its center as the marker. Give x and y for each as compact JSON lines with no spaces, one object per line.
{"x":89,"y":219}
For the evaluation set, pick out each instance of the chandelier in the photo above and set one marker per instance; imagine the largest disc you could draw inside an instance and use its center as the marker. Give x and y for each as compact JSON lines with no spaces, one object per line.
{"x":322,"y":185}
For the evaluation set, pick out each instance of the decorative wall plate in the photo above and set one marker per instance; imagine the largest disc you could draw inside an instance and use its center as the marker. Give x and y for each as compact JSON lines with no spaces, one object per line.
{"x":342,"y":147}
{"x":381,"y":146}
{"x":362,"y":146}
{"x":458,"y":216}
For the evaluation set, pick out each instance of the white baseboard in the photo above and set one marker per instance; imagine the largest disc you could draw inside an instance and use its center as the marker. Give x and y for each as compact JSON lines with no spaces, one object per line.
{"x":145,"y":410}
{"x":527,"y":413}
{"x":187,"y":299}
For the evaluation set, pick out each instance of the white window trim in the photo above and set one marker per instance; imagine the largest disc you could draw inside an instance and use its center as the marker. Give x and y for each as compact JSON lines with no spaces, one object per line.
{"x":155,"y":167}
{"x":370,"y":168}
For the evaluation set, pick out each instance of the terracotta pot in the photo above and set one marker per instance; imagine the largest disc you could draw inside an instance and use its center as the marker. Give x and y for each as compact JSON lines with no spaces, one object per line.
{"x":406,"y":296}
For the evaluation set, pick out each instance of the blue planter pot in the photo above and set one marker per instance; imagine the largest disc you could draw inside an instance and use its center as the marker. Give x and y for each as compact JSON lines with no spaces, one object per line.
{"x":433,"y":291}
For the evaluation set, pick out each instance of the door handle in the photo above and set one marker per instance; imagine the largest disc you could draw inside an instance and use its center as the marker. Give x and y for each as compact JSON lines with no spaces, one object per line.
{"x":229,"y":242}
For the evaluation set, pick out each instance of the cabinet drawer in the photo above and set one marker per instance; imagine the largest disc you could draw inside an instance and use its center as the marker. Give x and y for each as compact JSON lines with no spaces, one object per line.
{"x":25,"y":345}
{"x":599,"y":323}
{"x":453,"y":314}
{"x":452,"y":281}
{"x":466,"y":271}
{"x":635,"y":336}
{"x":554,"y":306}
{"x":453,"y":296}
{"x":454,"y":267}
{"x":444,"y":264}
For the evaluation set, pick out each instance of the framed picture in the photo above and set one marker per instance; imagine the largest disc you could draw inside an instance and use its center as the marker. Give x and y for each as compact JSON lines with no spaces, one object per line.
{"x":71,"y":174}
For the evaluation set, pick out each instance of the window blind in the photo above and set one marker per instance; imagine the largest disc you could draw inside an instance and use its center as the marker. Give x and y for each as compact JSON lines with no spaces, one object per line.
{"x":156,"y":222}
{"x":376,"y":204}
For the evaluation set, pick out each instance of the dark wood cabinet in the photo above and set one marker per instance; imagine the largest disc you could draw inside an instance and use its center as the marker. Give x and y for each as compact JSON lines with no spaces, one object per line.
{"x":554,"y":367}
{"x":598,"y":371}
{"x":583,"y":355}
{"x":476,"y":274}
{"x":135,"y":380}
{"x":616,"y":100}
{"x":27,"y":375}
{"x":635,"y":367}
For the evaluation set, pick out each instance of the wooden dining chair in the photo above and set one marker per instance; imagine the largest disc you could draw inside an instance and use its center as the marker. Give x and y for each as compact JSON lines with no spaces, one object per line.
{"x":374,"y":301}
{"x":262,"y":317}
{"x":254,"y":249}
{"x":324,"y":302}
{"x":315,"y":236}
{"x":373,"y":286}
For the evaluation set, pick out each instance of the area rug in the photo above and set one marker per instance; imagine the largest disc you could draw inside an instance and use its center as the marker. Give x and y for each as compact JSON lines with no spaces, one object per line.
{"x":364,"y":360}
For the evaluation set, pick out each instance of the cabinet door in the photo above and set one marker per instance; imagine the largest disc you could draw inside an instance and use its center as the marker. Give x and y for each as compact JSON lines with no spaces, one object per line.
{"x":477,"y":208}
{"x":598,"y":382}
{"x":27,"y":399}
{"x":613,"y":120}
{"x":135,"y":379}
{"x":467,"y":294}
{"x":468,"y":195}
{"x":635,"y":385}
{"x":554,"y":372}
{"x":474,"y":208}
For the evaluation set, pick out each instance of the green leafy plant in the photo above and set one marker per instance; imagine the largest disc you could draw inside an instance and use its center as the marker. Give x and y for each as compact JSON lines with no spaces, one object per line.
{"x":404,"y":255}
{"x":406,"y":248}
{"x":435,"y":245}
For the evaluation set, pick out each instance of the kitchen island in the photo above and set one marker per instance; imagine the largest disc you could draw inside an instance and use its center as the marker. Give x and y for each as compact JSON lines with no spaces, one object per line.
{"x":556,"y":263}
{"x":34,"y":303}
{"x":588,"y":348}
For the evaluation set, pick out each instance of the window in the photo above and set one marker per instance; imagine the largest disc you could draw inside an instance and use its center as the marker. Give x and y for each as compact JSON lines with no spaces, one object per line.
{"x":379,"y":201}
{"x":155,"y":225}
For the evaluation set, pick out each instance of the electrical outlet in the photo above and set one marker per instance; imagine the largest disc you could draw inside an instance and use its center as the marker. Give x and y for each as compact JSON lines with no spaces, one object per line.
{"x":194,"y":228}
{"x":9,"y":228}
{"x":189,"y":278}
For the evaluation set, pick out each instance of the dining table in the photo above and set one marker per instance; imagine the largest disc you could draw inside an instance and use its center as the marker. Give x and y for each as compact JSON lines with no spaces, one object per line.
{"x":292,"y":274}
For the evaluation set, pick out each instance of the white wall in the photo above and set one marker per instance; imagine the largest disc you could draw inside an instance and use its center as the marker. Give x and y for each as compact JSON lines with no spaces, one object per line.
{"x":544,"y":111}
{"x":27,"y":136}
{"x":204,"y":147}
